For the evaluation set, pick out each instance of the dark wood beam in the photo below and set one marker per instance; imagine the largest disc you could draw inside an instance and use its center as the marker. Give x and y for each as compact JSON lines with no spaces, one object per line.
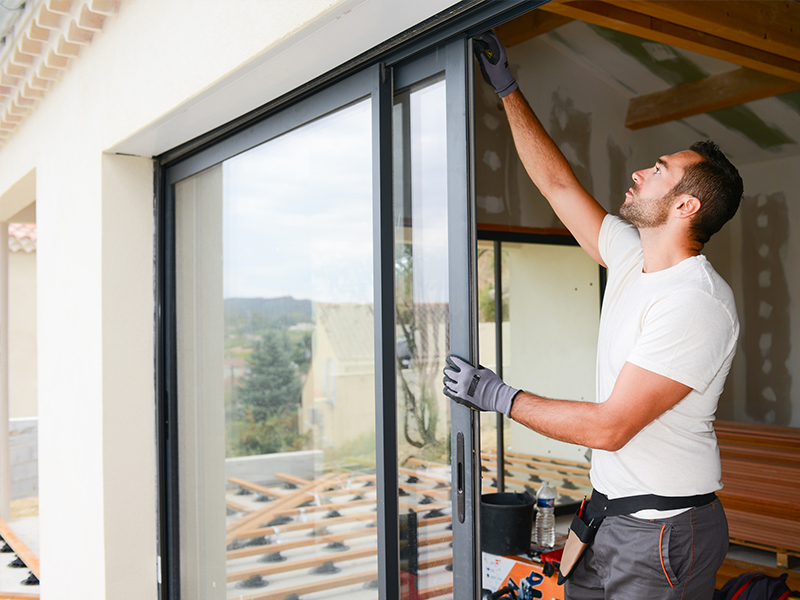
{"x":615,"y":16}
{"x":528,"y":26}
{"x":699,"y":97}
{"x":769,"y":25}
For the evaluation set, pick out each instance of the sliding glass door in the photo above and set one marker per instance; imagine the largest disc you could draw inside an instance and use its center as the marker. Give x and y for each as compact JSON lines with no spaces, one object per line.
{"x":433,"y":252}
{"x":316,"y":272}
{"x":276,"y":361}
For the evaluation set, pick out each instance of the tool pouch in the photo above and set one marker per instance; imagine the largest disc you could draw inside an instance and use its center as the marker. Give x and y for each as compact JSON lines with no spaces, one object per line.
{"x":581,"y":535}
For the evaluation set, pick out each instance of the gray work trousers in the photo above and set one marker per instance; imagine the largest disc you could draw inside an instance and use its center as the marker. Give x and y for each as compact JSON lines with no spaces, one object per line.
{"x":659,"y":559}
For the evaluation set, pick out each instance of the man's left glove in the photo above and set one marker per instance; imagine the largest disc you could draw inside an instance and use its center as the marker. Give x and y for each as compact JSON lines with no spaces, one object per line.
{"x":477,"y":387}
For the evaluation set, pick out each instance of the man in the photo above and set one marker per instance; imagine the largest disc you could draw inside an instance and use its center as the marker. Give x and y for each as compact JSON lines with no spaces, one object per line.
{"x":668,"y":333}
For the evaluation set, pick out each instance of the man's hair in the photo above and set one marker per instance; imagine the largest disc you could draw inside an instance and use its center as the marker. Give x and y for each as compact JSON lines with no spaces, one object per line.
{"x":717,"y":184}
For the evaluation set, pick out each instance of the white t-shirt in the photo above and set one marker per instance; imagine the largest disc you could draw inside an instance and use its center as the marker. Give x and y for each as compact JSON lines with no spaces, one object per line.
{"x":680,"y":323}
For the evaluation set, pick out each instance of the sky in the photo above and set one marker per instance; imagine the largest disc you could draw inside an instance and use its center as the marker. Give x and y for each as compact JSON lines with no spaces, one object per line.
{"x":297,"y":210}
{"x":297,"y":213}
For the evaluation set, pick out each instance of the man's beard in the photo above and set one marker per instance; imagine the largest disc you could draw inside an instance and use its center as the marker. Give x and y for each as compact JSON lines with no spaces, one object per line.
{"x":646,"y":213}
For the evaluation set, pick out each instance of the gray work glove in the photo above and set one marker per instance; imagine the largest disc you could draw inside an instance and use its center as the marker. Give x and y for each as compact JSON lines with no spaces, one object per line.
{"x":493,"y":63}
{"x":477,"y":387}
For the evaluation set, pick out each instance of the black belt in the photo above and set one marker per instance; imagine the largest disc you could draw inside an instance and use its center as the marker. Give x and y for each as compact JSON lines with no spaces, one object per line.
{"x":631,"y":504}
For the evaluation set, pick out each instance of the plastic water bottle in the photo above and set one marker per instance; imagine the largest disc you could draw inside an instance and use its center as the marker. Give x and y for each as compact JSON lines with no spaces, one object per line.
{"x":545,"y":527}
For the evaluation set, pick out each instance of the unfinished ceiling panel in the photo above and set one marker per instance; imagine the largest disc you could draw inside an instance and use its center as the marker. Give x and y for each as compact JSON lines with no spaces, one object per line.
{"x":726,"y":70}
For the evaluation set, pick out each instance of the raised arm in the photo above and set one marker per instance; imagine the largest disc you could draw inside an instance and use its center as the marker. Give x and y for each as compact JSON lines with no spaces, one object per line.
{"x":552,"y":174}
{"x":544,"y":162}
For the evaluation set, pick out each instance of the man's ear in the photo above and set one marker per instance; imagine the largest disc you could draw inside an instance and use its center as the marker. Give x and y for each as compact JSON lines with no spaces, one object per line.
{"x":686,"y":206}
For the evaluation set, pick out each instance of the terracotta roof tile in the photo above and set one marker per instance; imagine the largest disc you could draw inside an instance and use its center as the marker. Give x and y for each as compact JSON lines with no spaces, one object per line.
{"x":22,"y":237}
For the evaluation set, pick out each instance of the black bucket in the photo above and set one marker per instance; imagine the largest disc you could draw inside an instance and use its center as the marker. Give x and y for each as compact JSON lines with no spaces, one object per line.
{"x":506,"y":523}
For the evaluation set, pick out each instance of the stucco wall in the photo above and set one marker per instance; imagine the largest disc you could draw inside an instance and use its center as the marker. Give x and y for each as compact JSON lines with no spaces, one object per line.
{"x":24,"y":434}
{"x":22,"y":371}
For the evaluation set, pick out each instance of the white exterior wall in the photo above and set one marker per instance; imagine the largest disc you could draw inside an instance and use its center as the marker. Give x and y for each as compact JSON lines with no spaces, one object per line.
{"x":22,"y":379}
{"x":159,"y":74}
{"x":23,"y":434}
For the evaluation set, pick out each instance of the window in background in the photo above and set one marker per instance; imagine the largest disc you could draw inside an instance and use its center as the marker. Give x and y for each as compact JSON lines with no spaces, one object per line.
{"x":550,"y":318}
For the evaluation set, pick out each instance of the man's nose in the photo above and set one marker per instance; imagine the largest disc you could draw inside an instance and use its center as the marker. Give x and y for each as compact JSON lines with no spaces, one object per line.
{"x":637,"y":177}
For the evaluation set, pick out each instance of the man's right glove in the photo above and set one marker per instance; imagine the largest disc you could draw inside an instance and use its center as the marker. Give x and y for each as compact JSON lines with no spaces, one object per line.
{"x":477,"y":387}
{"x":493,"y":63}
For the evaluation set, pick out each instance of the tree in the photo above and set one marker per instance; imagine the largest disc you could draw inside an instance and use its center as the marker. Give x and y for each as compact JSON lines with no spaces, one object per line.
{"x":272,"y":385}
{"x":418,"y":360}
{"x":267,"y":400}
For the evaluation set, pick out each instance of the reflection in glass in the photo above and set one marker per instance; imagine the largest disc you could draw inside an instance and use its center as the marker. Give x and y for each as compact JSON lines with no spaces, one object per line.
{"x":276,"y":366}
{"x":422,"y":312}
{"x":487,"y":351}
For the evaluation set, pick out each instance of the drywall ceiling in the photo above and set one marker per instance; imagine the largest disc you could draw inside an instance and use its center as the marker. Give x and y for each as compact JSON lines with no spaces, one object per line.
{"x":728,"y":69}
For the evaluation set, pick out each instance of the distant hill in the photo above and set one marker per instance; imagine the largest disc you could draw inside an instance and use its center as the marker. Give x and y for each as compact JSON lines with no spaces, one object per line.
{"x":286,"y":309}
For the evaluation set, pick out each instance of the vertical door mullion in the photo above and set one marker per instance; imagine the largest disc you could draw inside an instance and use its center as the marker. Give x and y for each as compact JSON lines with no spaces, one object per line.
{"x":385,"y":387}
{"x":498,"y":355}
{"x":465,"y":423}
{"x":168,"y":529}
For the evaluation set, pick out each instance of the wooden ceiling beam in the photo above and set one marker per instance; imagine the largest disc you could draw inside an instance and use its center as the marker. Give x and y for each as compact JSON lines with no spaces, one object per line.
{"x":529,"y":25}
{"x":699,"y":97}
{"x":769,"y":25}
{"x":645,"y":26}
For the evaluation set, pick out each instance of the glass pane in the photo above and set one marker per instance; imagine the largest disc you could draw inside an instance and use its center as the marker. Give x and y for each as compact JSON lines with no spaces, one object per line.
{"x":276,"y":368}
{"x":553,"y":297}
{"x":421,"y":279}
{"x":487,"y":351}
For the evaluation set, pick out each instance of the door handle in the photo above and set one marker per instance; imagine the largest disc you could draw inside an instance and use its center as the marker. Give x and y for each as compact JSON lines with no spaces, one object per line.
{"x":460,"y":499}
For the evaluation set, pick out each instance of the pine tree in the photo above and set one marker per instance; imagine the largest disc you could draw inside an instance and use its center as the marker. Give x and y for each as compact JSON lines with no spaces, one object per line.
{"x":272,"y":387}
{"x":268,"y":398}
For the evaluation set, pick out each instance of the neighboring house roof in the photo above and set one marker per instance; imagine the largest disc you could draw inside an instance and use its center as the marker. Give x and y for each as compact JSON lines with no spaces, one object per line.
{"x":22,"y":237}
{"x":39,"y":41}
{"x":349,"y":328}
{"x":236,"y":362}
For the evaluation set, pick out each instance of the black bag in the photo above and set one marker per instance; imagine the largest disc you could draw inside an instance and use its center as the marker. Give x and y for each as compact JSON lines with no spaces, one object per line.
{"x":756,"y":586}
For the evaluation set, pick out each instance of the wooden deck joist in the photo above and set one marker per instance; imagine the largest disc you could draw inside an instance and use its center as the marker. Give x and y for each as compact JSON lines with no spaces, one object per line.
{"x":541,"y":474}
{"x":339,"y":582}
{"x":20,"y":549}
{"x":316,"y":561}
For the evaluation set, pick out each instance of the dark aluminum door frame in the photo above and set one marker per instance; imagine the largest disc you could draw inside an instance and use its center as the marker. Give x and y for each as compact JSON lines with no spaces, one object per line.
{"x":455,"y":60}
{"x":465,"y":422}
{"x":385,"y":379}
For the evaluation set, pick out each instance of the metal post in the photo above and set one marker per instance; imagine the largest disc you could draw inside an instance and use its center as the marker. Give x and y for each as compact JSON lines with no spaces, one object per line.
{"x":385,"y":388}
{"x":498,"y":353}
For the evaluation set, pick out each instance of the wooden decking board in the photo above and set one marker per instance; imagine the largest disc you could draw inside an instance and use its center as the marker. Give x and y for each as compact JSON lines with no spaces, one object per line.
{"x":284,"y":537}
{"x":761,"y":479}
{"x":541,"y":473}
{"x":733,"y":568}
{"x":302,"y":543}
